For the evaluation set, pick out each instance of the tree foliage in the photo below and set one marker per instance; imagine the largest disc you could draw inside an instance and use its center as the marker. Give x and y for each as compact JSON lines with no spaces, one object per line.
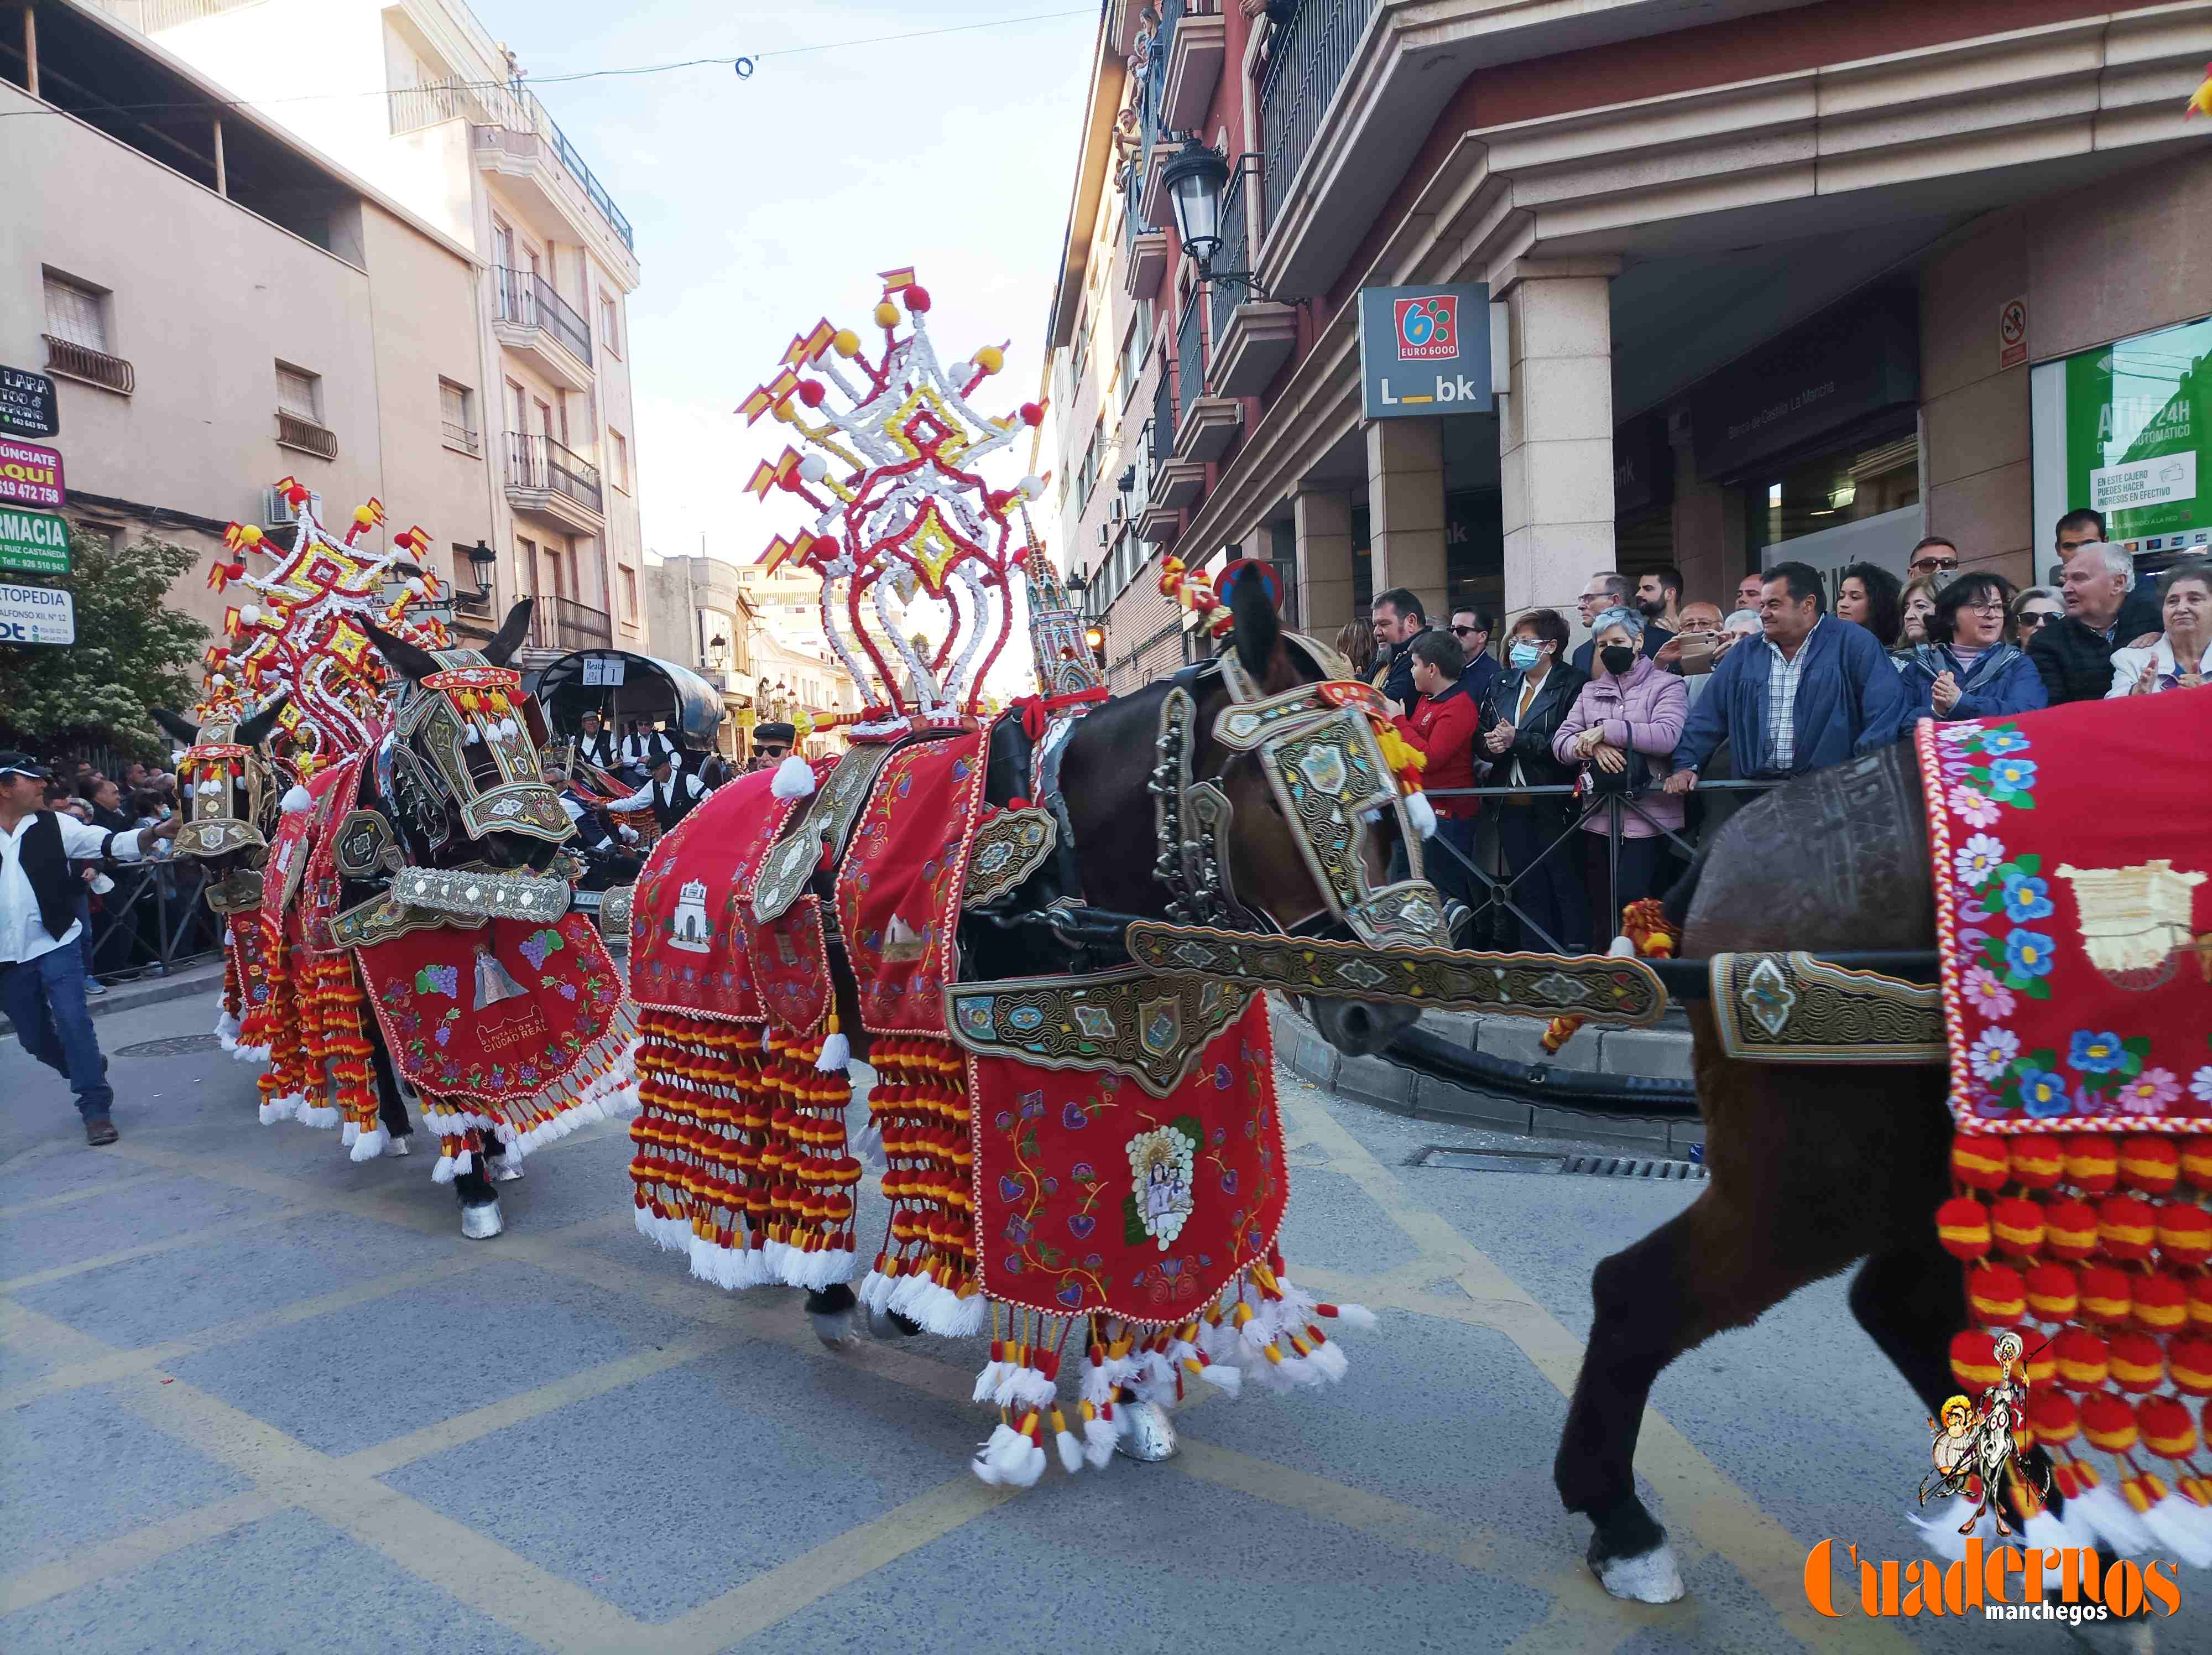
{"x":131,"y":651}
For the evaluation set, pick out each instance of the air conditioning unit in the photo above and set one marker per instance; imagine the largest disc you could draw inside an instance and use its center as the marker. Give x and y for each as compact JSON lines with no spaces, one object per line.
{"x":1105,"y":534}
{"x":1118,"y":510}
{"x":276,"y":509}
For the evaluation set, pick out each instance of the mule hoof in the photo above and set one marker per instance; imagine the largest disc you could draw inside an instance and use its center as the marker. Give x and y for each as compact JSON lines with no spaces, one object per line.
{"x":483,"y":1222}
{"x":1149,"y":1434}
{"x":399,"y":1146}
{"x":1649,"y":1578}
{"x":890,"y":1324}
{"x":507,"y":1169}
{"x":834,"y":1328}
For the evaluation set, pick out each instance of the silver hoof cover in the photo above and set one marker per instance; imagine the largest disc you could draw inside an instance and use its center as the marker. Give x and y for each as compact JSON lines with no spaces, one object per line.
{"x":399,"y":1147}
{"x":1149,"y":1434}
{"x":481,"y":1223}
{"x":507,"y":1169}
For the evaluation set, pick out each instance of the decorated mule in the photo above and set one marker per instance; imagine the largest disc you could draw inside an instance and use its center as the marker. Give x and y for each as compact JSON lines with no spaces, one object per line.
{"x":2015,"y":1150}
{"x":411,"y":923}
{"x":1085,"y":1155}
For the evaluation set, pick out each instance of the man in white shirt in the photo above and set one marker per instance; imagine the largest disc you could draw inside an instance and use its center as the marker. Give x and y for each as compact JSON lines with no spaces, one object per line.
{"x":596,"y":746}
{"x":672,"y":794}
{"x":42,"y":981}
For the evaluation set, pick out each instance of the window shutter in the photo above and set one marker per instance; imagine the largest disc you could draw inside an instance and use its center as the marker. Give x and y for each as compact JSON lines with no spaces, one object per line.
{"x":296,"y":394}
{"x":73,"y":313}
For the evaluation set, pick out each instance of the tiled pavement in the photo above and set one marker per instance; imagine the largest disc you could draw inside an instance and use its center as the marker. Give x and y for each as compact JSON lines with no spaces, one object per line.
{"x":255,"y":1396}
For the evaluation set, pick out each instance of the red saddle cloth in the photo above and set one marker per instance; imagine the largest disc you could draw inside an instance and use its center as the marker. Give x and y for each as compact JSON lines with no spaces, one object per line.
{"x":2072,"y":856}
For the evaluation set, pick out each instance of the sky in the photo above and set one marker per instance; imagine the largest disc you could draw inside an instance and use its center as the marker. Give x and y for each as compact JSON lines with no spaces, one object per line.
{"x":761,"y":205}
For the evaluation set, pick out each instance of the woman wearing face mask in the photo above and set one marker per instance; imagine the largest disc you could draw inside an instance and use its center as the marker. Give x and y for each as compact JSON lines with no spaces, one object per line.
{"x":1967,"y":669}
{"x":1537,"y":692}
{"x":1625,"y":726}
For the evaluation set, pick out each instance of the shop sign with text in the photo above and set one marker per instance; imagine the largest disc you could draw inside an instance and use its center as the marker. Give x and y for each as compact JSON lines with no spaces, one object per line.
{"x":1425,"y":350}
{"x":2135,"y":439}
{"x":37,"y":614}
{"x":33,"y":543}
{"x":29,"y":474}
{"x":28,"y":406}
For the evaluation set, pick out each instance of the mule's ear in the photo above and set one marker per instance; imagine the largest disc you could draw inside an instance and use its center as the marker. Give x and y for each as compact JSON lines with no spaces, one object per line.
{"x":177,"y":725}
{"x":511,"y":631}
{"x":255,"y":730}
{"x":406,"y":659}
{"x":1258,"y":633}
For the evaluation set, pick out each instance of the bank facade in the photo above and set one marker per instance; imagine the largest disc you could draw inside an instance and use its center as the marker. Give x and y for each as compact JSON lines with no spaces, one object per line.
{"x":1804,"y":281}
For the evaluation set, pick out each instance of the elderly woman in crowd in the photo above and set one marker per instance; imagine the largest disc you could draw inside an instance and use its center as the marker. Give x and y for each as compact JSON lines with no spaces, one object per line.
{"x":1967,"y":669}
{"x":2182,"y":657}
{"x":1539,"y":689}
{"x":1624,"y":729}
{"x":1914,"y":606}
{"x":1868,"y":595}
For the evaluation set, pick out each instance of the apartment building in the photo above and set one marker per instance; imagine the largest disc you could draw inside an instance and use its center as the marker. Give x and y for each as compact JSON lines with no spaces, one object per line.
{"x":1716,"y":286}
{"x":220,"y":305}
{"x":417,"y":100}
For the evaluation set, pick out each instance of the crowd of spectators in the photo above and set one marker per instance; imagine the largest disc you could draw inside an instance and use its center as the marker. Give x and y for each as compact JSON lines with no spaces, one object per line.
{"x":122,"y":932}
{"x":1623,"y":737}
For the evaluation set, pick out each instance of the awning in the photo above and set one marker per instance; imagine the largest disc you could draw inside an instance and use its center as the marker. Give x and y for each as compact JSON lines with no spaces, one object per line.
{"x":644,"y":687}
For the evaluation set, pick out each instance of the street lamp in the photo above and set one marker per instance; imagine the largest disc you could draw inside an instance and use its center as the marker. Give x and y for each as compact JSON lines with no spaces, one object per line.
{"x":1193,"y":177}
{"x":482,"y":558}
{"x":718,"y":652}
{"x":1078,"y":584}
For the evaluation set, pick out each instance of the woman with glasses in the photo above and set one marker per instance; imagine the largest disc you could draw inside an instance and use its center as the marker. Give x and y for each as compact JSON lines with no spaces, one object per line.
{"x":2181,"y":656}
{"x":2034,"y":609}
{"x":1966,"y":669}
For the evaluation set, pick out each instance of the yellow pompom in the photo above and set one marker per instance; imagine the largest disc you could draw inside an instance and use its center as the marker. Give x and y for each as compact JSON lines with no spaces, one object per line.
{"x":886,"y":314}
{"x":362,"y":516}
{"x":990,"y":359}
{"x":845,"y":342}
{"x":250,"y":535}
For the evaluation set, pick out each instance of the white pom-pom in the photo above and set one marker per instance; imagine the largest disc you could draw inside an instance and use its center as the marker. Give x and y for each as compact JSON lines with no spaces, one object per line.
{"x":1071,"y":1451}
{"x":415,"y":584}
{"x":475,"y":735}
{"x":793,"y":779}
{"x":1621,"y":948}
{"x":1355,"y":1316}
{"x":960,"y":372}
{"x":2184,"y":1528}
{"x":813,"y":468}
{"x":296,"y":799}
{"x":836,"y":1052}
{"x":1422,"y":814}
{"x":1031,"y":487}
{"x":250,"y":614}
{"x":1223,"y":1378}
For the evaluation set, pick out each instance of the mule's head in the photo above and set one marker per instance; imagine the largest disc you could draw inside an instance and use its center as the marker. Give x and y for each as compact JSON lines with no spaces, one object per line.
{"x":227,"y":789}
{"x":460,"y":768}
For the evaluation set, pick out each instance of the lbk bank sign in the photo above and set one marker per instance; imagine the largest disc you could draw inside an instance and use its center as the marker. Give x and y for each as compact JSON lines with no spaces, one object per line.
{"x":1425,"y":350}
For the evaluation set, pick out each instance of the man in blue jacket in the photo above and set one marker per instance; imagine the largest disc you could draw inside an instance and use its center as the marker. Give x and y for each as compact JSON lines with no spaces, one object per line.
{"x":1813,"y":692}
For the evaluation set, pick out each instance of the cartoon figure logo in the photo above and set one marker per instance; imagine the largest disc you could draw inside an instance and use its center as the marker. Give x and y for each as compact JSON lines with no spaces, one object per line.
{"x":1975,"y":1447}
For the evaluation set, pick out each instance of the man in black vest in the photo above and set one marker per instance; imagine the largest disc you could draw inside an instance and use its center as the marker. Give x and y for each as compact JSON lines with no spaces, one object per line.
{"x":672,"y":794}
{"x":42,"y":980}
{"x":597,"y":743}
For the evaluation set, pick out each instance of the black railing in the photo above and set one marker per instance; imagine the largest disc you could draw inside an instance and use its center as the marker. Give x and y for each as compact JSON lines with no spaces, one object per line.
{"x":81,"y":362}
{"x":528,"y":299}
{"x":1133,"y":189}
{"x":1154,"y":88}
{"x":1190,"y":354}
{"x":1495,"y":889}
{"x":1310,"y":56}
{"x":1163,"y":422}
{"x":558,"y":623}
{"x":153,"y":921}
{"x":1236,"y":251}
{"x":539,"y":462}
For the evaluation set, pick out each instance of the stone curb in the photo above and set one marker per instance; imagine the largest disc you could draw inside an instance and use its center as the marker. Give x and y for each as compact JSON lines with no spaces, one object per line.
{"x":1402,"y":1090}
{"x":147,"y":991}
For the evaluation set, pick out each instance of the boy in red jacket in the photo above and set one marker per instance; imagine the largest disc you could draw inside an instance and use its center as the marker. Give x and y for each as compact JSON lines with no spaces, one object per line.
{"x":1443,"y":727}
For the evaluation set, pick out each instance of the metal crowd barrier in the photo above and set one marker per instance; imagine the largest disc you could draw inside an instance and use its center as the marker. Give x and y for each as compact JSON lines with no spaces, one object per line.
{"x":1496,"y":891}
{"x":152,"y":922}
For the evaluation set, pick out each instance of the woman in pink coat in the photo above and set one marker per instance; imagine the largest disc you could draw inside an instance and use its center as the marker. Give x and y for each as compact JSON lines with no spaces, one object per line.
{"x":1622,"y":730}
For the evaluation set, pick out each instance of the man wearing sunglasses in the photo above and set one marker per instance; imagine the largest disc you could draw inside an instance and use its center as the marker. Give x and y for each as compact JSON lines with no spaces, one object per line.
{"x":1933,"y":556}
{"x":42,"y":980}
{"x":772,"y":744}
{"x":1472,"y":627}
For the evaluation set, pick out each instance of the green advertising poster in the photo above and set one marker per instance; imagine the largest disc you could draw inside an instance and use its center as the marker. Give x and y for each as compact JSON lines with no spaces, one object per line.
{"x":33,"y":543}
{"x":2138,"y":414}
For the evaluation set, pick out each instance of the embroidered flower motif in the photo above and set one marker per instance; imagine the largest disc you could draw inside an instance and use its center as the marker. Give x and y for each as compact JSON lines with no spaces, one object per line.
{"x":2149,"y":1092}
{"x":2010,"y":776}
{"x":2000,"y":742}
{"x":2028,"y":953}
{"x":1992,"y":999}
{"x":1971,"y":806}
{"x":1994,"y":1050}
{"x":2095,"y":1053}
{"x":2025,"y":897}
{"x":1955,"y":735}
{"x":1978,"y":857}
{"x":2043,"y":1093}
{"x":2200,"y":1084}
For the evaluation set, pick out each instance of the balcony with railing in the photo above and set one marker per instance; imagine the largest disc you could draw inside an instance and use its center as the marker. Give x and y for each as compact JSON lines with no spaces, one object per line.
{"x":1252,"y":338}
{"x":513,"y":134}
{"x":1304,"y":69}
{"x":297,"y":432}
{"x":529,"y":316}
{"x":547,"y":480}
{"x":71,"y":361}
{"x":1195,"y":39}
{"x":563,"y":623}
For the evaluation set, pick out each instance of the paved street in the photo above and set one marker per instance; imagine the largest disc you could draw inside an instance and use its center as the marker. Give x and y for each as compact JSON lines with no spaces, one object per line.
{"x":258,"y":1397}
